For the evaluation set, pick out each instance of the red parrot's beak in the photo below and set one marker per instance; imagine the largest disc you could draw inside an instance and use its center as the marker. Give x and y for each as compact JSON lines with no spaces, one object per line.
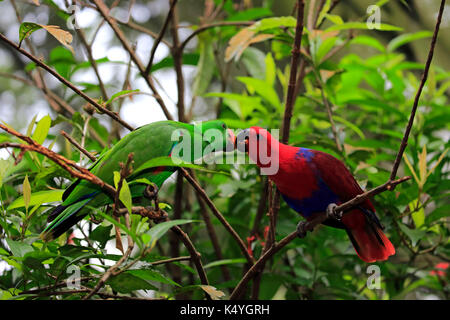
{"x":242,"y":140}
{"x":231,"y":140}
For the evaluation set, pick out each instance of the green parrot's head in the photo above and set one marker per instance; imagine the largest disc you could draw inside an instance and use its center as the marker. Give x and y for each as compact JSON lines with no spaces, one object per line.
{"x":216,"y":135}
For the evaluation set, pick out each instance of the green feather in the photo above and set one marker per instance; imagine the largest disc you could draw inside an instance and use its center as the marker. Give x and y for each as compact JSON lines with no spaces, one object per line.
{"x":147,"y":142}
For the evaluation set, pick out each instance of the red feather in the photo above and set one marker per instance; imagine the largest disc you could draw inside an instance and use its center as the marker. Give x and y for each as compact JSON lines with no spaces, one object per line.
{"x":298,"y":178}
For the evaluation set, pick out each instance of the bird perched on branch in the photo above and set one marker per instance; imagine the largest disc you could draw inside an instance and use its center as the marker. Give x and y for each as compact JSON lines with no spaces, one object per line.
{"x":313,"y":182}
{"x":158,"y":139}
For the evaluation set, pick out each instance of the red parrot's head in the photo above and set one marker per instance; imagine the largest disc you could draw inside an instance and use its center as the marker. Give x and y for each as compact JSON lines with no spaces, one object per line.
{"x":261,"y":147}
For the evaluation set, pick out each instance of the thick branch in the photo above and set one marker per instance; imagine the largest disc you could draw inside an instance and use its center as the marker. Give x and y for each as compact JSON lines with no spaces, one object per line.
{"x":290,"y":100}
{"x":66,"y":164}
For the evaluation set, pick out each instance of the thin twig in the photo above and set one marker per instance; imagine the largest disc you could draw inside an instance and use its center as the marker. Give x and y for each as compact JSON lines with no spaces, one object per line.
{"x":213,"y":25}
{"x":212,"y":233}
{"x":404,"y":143}
{"x":218,"y":215}
{"x":329,"y":112}
{"x":78,"y":146}
{"x":290,"y":99}
{"x":176,"y":259}
{"x":161,"y":35}
{"x":108,"y":274}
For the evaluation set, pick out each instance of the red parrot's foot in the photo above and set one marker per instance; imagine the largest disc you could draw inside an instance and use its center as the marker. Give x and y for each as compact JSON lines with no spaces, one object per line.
{"x":332,"y":213}
{"x":301,"y":229}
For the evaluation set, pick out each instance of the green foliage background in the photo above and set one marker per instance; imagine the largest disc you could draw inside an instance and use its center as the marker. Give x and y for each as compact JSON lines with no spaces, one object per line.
{"x":370,"y":78}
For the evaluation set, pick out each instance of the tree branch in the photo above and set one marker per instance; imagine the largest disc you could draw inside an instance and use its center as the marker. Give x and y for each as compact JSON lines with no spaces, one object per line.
{"x":290,"y":99}
{"x":78,"y":146}
{"x":218,"y":215}
{"x":404,"y":143}
{"x":161,"y":35}
{"x":66,"y":82}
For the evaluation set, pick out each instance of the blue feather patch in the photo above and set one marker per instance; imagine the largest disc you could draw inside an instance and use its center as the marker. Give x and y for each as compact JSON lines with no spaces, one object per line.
{"x":317,"y":202}
{"x":304,"y":153}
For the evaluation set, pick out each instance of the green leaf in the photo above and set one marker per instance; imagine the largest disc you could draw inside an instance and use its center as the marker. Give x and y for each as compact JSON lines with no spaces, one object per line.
{"x":125,"y":194}
{"x":26,"y":29}
{"x":120,"y":94}
{"x":350,"y":125}
{"x":241,"y":105}
{"x":171,"y":162}
{"x":253,"y":59}
{"x":263,"y":89}
{"x":224,"y":262}
{"x":38,"y":198}
{"x":250,"y":14}
{"x":205,"y":68}
{"x":19,"y":249}
{"x":438,"y":213}
{"x":101,"y":234}
{"x":31,"y":126}
{"x":126,"y":282}
{"x":271,"y":23}
{"x":413,"y":234}
{"x":63,"y":61}
{"x":121,"y":226}
{"x":334,"y":18}
{"x":324,"y":48}
{"x":26,"y":192}
{"x":270,"y":69}
{"x":419,"y":215}
{"x":188,"y":59}
{"x":368,"y":41}
{"x":41,"y":131}
{"x":406,"y":38}
{"x":160,"y":229}
{"x":152,"y":275}
{"x":363,"y":26}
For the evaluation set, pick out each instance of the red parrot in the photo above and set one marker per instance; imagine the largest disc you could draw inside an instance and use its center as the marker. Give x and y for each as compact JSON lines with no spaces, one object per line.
{"x":312,"y":182}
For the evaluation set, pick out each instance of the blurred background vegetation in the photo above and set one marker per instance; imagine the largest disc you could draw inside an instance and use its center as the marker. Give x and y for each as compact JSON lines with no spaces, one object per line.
{"x":369,"y":77}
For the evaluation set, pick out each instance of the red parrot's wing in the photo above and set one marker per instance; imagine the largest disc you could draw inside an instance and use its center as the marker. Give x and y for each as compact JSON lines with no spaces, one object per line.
{"x":337,"y":177}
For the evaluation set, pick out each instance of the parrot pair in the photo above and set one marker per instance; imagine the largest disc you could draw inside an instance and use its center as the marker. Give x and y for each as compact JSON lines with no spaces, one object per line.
{"x":157,"y":139}
{"x":308,"y":180}
{"x":311,"y":181}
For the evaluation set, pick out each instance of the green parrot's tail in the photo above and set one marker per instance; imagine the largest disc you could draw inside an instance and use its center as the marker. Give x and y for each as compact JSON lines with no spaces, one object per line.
{"x":63,"y":217}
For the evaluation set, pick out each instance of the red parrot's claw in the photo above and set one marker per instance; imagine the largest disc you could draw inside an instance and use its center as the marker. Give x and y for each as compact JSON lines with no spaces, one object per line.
{"x":301,"y":230}
{"x":332,"y":213}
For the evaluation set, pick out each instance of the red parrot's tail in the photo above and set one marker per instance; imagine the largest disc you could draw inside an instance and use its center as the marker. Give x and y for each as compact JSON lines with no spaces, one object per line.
{"x":367,"y":237}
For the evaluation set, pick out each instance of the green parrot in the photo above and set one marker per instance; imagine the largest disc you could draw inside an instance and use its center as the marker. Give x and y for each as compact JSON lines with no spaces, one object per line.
{"x":158,"y":139}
